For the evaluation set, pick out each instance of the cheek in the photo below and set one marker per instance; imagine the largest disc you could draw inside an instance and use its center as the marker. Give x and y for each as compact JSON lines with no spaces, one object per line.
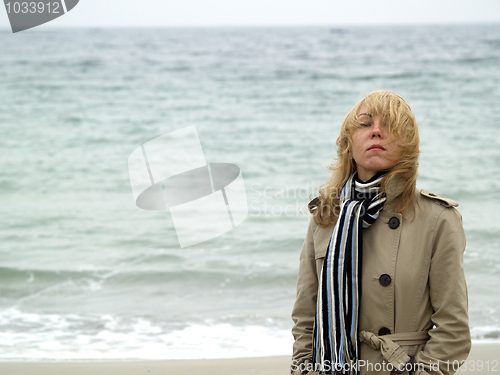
{"x":356,"y":146}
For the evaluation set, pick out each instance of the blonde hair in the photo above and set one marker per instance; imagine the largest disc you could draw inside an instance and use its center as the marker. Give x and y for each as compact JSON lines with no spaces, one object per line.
{"x":400,"y":122}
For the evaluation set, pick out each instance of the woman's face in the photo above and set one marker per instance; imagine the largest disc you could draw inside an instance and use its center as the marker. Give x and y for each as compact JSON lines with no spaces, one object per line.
{"x":374,"y":149}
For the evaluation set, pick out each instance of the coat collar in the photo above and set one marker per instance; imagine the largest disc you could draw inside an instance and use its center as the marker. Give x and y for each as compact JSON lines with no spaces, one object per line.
{"x":394,"y":190}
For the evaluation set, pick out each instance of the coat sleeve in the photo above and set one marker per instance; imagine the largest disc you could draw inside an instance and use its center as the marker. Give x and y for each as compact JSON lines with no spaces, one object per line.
{"x":450,"y":340}
{"x":304,"y":309}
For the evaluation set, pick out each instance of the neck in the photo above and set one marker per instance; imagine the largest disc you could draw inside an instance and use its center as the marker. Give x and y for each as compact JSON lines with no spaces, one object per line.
{"x":364,"y":174}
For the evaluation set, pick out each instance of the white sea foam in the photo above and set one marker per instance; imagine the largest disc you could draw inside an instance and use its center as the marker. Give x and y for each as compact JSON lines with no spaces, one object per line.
{"x":52,"y":336}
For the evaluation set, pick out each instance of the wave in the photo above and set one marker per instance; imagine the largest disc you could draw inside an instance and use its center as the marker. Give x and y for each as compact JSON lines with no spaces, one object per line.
{"x":77,"y":337}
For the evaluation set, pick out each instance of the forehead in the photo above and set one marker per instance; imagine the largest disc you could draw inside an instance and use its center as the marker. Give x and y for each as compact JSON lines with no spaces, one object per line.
{"x":366,"y":113}
{"x":373,"y":109}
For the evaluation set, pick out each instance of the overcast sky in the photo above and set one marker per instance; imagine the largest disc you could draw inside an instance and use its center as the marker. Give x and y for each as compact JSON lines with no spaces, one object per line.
{"x":102,"y":13}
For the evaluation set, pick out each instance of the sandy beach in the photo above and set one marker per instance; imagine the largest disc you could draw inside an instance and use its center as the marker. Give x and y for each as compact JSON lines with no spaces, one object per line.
{"x":486,"y":356}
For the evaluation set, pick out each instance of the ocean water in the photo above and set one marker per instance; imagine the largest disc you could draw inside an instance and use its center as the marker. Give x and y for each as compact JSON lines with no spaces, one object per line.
{"x":85,"y":274}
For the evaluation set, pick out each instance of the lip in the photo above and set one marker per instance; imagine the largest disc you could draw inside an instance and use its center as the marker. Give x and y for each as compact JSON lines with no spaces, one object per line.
{"x":376,"y":147}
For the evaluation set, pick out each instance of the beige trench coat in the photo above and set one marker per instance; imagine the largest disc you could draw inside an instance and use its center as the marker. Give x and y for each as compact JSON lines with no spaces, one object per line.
{"x":412,"y":283}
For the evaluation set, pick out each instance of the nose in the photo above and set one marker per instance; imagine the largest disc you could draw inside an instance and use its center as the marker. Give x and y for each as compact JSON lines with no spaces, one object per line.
{"x":377,"y":130}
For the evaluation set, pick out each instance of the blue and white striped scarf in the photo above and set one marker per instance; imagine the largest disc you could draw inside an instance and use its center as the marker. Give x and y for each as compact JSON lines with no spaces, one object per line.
{"x":335,"y":341}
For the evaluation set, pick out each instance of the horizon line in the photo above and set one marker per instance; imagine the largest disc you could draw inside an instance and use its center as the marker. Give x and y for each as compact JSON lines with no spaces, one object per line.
{"x":331,"y":26}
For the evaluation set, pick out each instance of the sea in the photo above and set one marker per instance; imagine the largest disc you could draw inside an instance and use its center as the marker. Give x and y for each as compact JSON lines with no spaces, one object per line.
{"x":85,"y":274}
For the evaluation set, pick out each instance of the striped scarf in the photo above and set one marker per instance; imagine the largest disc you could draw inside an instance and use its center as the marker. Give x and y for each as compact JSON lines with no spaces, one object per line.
{"x":336,"y":342}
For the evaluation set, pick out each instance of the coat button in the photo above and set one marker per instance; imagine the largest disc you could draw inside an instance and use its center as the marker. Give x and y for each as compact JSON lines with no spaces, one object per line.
{"x":393,"y":222}
{"x":384,"y":279}
{"x":384,"y":331}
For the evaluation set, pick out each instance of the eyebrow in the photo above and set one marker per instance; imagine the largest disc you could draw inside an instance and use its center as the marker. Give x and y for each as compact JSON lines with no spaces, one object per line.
{"x":364,"y":114}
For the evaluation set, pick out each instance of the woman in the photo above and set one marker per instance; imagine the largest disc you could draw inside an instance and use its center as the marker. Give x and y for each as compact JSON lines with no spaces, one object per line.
{"x":381,"y":285}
